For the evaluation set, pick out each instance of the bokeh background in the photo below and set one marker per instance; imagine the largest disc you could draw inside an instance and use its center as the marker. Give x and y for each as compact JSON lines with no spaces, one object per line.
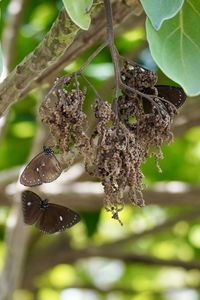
{"x":155,"y":254}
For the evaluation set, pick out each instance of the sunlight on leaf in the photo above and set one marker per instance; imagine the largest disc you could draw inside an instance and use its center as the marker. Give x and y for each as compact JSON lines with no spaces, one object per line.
{"x":78,"y":12}
{"x":42,"y":15}
{"x":23,"y":129}
{"x":193,"y":135}
{"x":181,"y":228}
{"x":185,"y":252}
{"x":194,"y":235}
{"x":2,"y":253}
{"x":110,"y":228}
{"x":100,"y":71}
{"x":71,"y":67}
{"x":47,"y":294}
{"x":3,"y":214}
{"x":193,"y":277}
{"x":143,"y":297}
{"x":164,"y":249}
{"x":62,"y":275}
{"x":171,"y":277}
{"x":176,"y":47}
{"x":134,"y":35}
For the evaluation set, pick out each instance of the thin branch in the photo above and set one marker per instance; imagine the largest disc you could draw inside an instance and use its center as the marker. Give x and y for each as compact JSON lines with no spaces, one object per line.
{"x":113,"y":50}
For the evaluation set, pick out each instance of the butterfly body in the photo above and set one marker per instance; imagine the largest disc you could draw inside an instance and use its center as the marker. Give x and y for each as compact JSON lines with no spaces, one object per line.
{"x":44,"y":204}
{"x":43,"y":168}
{"x":48,"y":217}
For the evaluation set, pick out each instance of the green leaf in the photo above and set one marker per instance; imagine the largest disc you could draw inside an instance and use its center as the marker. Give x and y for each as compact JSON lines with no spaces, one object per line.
{"x":78,"y":12}
{"x":176,"y":47}
{"x":160,"y":10}
{"x":1,"y":61}
{"x":91,"y":220}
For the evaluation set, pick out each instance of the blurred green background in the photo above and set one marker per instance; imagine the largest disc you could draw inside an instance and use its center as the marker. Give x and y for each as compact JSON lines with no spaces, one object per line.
{"x":95,"y":277}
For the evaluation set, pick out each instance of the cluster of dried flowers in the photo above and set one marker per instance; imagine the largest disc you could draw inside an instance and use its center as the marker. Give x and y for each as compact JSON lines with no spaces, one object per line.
{"x":62,"y":113}
{"x":127,"y":132}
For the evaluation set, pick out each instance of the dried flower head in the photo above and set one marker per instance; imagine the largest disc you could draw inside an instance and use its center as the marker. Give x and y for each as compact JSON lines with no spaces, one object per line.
{"x":62,"y":113}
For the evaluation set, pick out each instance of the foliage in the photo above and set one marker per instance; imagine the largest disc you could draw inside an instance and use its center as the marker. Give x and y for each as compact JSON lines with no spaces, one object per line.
{"x":159,"y":11}
{"x":79,"y":12}
{"x":175,"y":47}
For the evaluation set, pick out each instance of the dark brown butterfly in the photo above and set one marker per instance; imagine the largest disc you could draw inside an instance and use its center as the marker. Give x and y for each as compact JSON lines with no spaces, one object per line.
{"x":174,"y":95}
{"x":48,"y":217}
{"x":43,"y":168}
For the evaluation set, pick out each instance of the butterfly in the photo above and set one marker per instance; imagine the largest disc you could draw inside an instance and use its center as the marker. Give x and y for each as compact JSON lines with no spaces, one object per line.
{"x":48,"y":217}
{"x":174,"y":95}
{"x":43,"y":168}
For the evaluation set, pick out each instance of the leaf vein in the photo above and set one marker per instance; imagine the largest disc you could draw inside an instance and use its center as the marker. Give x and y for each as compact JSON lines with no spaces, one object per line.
{"x":194,"y":8}
{"x":191,"y":40}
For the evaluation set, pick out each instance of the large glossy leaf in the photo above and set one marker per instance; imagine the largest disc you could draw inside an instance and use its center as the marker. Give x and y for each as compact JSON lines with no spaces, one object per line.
{"x":78,"y":12}
{"x":160,"y":10}
{"x":176,"y":47}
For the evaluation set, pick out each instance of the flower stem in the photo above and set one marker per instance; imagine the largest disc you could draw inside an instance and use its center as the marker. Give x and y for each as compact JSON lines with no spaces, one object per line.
{"x":114,"y":55}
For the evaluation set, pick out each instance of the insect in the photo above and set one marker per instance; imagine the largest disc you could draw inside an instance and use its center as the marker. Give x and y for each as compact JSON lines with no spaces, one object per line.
{"x":43,"y":168}
{"x":48,"y":217}
{"x":172,"y":94}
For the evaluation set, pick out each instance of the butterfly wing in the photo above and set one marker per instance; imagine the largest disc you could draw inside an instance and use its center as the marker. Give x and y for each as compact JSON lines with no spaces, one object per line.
{"x":57,"y":218}
{"x":49,"y":169}
{"x":174,"y":95}
{"x":30,"y":175}
{"x":43,"y":168}
{"x":31,"y":207}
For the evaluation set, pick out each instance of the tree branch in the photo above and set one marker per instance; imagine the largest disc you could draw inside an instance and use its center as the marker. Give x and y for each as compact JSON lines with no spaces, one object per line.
{"x":42,"y":260}
{"x":60,"y":37}
{"x":17,"y":235}
{"x":44,"y":61}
